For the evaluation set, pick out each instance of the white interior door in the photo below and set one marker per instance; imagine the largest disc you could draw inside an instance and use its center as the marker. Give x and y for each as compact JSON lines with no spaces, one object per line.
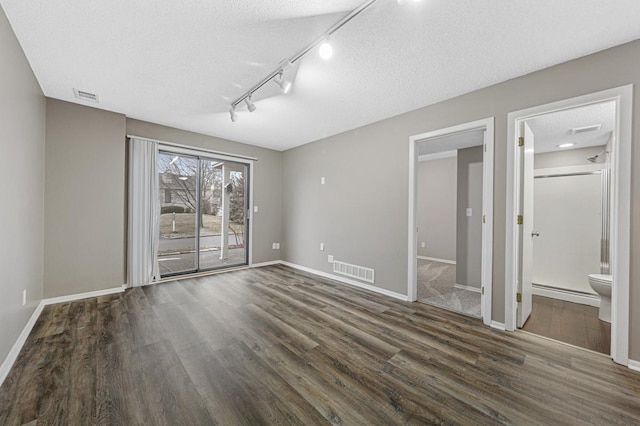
{"x":526,"y":195}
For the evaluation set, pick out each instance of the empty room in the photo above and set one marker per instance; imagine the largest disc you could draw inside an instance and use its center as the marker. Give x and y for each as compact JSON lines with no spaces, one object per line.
{"x":352,"y":212}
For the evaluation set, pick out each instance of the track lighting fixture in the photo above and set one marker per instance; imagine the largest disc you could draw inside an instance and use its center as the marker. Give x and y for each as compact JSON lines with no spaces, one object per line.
{"x":250,"y":105}
{"x":285,"y":85}
{"x":325,"y":51}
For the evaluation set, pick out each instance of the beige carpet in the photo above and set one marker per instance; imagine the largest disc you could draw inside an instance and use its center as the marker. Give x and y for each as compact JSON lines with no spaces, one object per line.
{"x":436,"y":287}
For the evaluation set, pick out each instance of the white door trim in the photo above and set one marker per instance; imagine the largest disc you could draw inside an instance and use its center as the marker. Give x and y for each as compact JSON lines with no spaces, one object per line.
{"x":620,"y":209}
{"x":487,"y":206}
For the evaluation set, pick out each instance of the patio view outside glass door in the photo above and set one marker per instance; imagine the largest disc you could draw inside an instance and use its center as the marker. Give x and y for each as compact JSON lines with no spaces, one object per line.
{"x":203,"y":205}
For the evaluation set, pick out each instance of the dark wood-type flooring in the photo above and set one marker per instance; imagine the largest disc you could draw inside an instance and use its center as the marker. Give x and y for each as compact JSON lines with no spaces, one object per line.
{"x":570,"y":323}
{"x":276,"y":346}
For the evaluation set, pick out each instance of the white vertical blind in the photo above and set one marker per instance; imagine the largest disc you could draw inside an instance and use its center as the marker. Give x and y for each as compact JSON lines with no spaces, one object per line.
{"x":144,"y":213}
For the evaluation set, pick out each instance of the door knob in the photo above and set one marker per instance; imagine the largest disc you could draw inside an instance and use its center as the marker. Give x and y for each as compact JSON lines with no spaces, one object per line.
{"x":535,"y":234}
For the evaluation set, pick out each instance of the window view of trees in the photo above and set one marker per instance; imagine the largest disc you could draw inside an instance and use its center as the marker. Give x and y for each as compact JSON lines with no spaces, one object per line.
{"x":183,"y":200}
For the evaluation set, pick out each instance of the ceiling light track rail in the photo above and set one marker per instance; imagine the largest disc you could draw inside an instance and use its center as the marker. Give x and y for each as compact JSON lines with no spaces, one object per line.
{"x":278,"y":72}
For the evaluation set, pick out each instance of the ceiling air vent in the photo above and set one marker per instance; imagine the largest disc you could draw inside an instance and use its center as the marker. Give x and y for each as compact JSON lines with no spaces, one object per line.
{"x":86,"y":96}
{"x":585,"y":129}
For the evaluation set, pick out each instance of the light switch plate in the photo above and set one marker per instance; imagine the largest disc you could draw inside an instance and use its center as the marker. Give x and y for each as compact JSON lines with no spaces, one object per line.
{"x":469,"y":211}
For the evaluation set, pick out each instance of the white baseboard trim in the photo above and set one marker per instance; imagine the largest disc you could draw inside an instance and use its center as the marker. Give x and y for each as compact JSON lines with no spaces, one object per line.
{"x":498,"y":325}
{"x":435,"y":259}
{"x":17,"y":346}
{"x":271,"y":263}
{"x":80,"y":296}
{"x":354,"y":283}
{"x":566,"y":295}
{"x":22,"y":338}
{"x":634,"y":365}
{"x":467,"y":287}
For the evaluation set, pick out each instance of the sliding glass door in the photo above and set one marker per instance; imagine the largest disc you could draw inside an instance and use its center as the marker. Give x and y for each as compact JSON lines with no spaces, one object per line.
{"x":178,"y":179}
{"x":203,"y":213}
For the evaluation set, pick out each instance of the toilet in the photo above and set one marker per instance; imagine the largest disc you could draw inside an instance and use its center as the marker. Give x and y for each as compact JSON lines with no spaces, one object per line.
{"x":601,"y":284}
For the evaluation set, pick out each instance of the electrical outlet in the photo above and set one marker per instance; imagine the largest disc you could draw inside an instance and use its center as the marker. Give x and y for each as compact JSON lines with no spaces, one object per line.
{"x":469,"y":211}
{"x":321,"y":246}
{"x":422,"y":244}
{"x":24,"y":297}
{"x":255,"y":209}
{"x":277,"y":246}
{"x":322,"y":180}
{"x":330,"y":258}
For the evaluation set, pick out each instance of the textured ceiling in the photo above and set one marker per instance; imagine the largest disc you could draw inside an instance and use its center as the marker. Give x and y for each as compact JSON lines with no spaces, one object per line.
{"x":180,"y":63}
{"x":551,"y":130}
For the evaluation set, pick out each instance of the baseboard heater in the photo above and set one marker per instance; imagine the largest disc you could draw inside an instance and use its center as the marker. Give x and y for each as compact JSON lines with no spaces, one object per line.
{"x":354,"y":271}
{"x":563,"y":290}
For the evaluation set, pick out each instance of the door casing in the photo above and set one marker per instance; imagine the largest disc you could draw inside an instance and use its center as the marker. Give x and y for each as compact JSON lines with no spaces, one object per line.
{"x":620,"y":159}
{"x":487,"y":207}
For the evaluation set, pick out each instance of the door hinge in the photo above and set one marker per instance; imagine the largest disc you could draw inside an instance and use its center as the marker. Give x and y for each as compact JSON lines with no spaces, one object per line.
{"x":519,"y":297}
{"x":485,"y":147}
{"x":483,"y":291}
{"x":520,"y":219}
{"x":484,"y":218}
{"x":521,"y":141}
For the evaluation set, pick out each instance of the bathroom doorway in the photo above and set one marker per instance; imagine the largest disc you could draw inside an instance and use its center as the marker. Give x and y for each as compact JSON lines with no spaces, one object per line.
{"x":567,"y":256}
{"x":450,"y":226}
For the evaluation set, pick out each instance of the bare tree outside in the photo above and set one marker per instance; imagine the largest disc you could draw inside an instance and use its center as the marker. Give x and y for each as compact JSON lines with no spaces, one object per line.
{"x":183,"y":200}
{"x":179,"y":174}
{"x":237,"y":206}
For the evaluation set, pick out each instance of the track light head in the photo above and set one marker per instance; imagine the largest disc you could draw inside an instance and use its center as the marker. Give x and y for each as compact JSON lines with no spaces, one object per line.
{"x":250,"y":105}
{"x":326,"y":51}
{"x":234,"y":116}
{"x":285,"y":85}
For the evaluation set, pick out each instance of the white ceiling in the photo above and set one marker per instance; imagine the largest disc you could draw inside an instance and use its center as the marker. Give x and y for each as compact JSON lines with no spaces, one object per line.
{"x":180,"y":63}
{"x":551,"y":130}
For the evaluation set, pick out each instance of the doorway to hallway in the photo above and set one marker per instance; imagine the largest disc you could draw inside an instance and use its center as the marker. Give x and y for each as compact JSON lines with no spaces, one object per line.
{"x":450,"y":218}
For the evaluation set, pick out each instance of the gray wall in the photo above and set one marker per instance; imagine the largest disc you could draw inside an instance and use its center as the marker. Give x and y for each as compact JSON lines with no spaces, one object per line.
{"x":267,"y":180}
{"x":22,"y":126}
{"x":85,"y":196}
{"x":362,"y":212}
{"x":571,"y":157}
{"x":469,"y":228}
{"x":436,"y":208}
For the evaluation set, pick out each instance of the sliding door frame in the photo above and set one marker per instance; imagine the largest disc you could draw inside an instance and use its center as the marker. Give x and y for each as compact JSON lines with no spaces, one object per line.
{"x":248,"y":225}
